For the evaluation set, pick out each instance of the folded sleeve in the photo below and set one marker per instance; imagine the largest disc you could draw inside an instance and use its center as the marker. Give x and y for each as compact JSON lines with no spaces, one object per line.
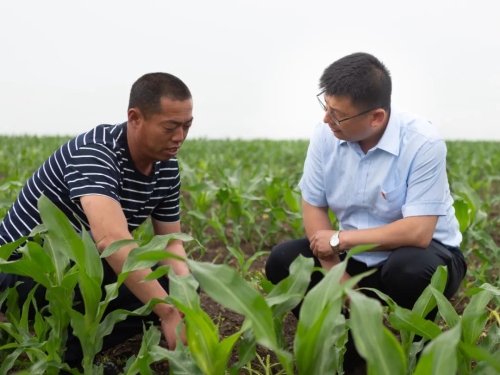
{"x":427,"y":182}
{"x":168,"y":210}
{"x":312,"y":183}
{"x":93,"y":170}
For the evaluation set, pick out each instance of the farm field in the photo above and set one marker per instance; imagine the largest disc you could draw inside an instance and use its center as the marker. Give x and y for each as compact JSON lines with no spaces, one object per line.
{"x":239,"y":200}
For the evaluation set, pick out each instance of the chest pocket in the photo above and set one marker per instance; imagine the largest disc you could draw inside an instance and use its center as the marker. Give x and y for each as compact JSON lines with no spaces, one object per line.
{"x":388,"y":204}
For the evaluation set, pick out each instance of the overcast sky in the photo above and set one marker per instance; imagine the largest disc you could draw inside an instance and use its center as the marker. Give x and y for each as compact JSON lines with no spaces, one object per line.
{"x":252,"y":66}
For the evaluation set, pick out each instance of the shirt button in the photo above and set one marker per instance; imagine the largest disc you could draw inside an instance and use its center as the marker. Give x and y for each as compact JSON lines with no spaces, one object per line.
{"x":360,"y":191}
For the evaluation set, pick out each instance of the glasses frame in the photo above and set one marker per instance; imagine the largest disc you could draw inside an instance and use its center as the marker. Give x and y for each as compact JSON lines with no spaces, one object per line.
{"x":335,"y":119}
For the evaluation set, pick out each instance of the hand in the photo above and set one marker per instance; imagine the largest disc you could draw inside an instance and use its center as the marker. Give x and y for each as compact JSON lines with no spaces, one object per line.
{"x":320,"y":244}
{"x":346,"y":277}
{"x":169,"y":325}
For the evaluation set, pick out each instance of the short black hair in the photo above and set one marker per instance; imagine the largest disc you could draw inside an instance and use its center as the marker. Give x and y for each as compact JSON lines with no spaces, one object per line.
{"x":147,"y":91}
{"x":361,"y":77}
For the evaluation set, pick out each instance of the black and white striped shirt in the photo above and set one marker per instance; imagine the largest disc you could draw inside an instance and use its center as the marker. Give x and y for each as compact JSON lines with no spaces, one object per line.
{"x":95,"y":163}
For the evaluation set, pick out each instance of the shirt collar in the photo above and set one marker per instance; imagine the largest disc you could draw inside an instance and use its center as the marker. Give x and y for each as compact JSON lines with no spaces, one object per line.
{"x":390,"y":139}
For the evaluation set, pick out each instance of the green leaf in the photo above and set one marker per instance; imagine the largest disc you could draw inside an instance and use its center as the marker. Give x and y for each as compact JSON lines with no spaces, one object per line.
{"x":313,"y":347}
{"x":426,"y":302}
{"x":358,"y":250}
{"x":225,"y":286}
{"x":117,"y":245}
{"x":154,"y":255}
{"x":180,"y":362}
{"x":7,"y":249}
{"x":238,"y":254}
{"x":479,"y":354}
{"x":328,"y":289}
{"x":93,"y":263}
{"x":148,"y":255}
{"x":65,"y":243}
{"x":290,"y":291}
{"x":492,"y":339}
{"x":291,"y":199}
{"x":384,"y":297}
{"x":150,"y":339}
{"x":404,"y":319}
{"x":317,"y":330}
{"x":246,"y":352}
{"x":462,"y":213}
{"x":440,"y":355}
{"x":203,"y":339}
{"x":374,"y":342}
{"x":197,"y":215}
{"x":474,"y":317}
{"x":157,"y":273}
{"x":25,"y":267}
{"x":250,"y":260}
{"x":184,"y":289}
{"x":445,"y":308}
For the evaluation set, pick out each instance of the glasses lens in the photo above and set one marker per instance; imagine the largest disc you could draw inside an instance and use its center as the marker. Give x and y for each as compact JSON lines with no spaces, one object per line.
{"x":321,"y":101}
{"x":334,"y":119}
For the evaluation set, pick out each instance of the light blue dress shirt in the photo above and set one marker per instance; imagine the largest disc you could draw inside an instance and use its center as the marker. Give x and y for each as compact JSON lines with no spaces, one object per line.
{"x":403,"y":175}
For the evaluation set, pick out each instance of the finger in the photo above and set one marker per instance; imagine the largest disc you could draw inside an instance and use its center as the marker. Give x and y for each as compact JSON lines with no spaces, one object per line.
{"x":311,"y":244}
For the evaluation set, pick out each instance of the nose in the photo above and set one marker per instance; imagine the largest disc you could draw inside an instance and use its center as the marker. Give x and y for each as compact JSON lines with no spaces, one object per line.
{"x":178,"y":134}
{"x":327,"y":119}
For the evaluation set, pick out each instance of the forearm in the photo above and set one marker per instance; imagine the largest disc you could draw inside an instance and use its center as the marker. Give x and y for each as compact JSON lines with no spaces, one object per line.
{"x":144,"y":291}
{"x":316,"y":219}
{"x":411,"y":231}
{"x":180,"y":267}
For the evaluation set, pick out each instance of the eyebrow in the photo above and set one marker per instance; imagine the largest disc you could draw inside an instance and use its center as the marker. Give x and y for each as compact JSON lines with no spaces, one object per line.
{"x":178,"y":123}
{"x":337,"y":111}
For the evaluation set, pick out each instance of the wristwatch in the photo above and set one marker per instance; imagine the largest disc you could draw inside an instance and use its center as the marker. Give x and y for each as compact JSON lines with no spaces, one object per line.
{"x":335,"y":243}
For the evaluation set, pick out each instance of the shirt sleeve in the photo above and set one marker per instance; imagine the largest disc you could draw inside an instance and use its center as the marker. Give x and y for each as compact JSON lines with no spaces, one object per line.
{"x":427,"y":182}
{"x":312,"y":183}
{"x":168,"y":210}
{"x":93,"y":170}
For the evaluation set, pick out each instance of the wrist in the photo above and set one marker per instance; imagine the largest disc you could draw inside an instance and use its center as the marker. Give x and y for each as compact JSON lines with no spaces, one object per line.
{"x":335,"y":242}
{"x":343,"y":240}
{"x":165,"y":311}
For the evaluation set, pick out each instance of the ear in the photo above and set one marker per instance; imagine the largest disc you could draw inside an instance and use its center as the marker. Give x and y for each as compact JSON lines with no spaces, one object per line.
{"x":379,"y":116}
{"x":134,"y":117}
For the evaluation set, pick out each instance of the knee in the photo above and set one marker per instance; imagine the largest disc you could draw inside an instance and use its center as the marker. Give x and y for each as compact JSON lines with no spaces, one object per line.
{"x":276,"y":267}
{"x":406,"y":283}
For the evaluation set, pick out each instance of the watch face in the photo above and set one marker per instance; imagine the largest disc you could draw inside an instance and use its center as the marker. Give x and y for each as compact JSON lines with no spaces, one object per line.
{"x":334,"y":241}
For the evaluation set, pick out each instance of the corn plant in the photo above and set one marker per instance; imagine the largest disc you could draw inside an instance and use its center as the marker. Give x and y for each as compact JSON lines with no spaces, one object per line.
{"x":64,"y":261}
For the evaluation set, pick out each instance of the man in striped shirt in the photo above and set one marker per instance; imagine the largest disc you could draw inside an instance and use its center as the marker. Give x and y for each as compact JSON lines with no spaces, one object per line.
{"x":111,"y":179}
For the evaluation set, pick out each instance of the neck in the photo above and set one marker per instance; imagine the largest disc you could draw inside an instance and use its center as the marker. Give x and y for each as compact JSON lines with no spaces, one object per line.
{"x":142,"y":163}
{"x":370,"y":142}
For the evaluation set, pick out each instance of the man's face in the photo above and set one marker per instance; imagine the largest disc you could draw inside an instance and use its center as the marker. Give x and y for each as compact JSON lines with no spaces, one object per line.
{"x":160,"y":135}
{"x":355,"y":129}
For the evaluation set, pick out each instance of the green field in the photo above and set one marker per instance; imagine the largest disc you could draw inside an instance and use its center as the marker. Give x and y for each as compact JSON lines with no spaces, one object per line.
{"x":239,"y":199}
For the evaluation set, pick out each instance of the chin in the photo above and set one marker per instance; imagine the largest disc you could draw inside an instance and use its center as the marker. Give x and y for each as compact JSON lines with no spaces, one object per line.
{"x":339,"y":135}
{"x":163,"y":158}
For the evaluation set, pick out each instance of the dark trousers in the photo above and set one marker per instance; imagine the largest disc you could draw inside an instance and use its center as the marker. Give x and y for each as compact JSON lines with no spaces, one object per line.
{"x":403,"y":276}
{"x":125,"y":300}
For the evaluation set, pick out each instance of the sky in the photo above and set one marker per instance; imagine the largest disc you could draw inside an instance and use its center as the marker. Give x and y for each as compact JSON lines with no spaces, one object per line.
{"x":252,"y":66}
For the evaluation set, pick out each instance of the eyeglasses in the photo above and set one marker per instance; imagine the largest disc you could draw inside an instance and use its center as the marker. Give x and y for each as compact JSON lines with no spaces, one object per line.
{"x":335,"y":119}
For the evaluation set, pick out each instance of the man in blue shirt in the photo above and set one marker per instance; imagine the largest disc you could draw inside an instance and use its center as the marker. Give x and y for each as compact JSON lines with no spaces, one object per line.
{"x":383,"y":174}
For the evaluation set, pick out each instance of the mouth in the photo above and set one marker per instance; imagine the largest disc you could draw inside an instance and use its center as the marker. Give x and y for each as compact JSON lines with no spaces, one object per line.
{"x":172,"y":151}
